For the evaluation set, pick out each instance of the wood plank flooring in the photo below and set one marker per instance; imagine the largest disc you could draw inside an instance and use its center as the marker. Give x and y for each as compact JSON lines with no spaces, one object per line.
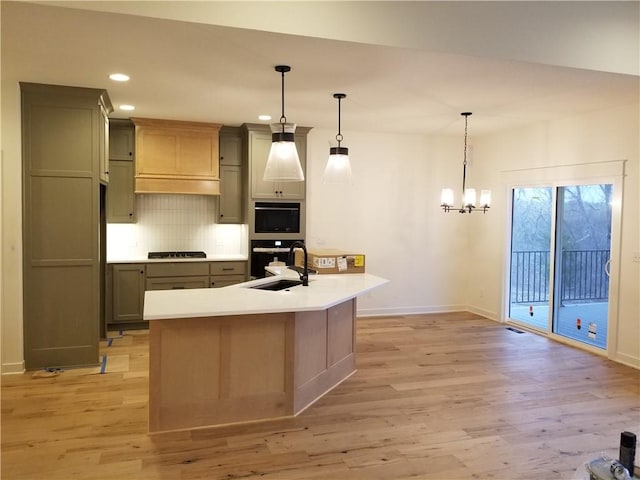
{"x":451,"y":396}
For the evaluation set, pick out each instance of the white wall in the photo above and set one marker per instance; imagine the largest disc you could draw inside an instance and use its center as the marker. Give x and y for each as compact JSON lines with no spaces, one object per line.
{"x":392,"y":215}
{"x":596,"y":137}
{"x":11,"y":308}
{"x":442,"y":262}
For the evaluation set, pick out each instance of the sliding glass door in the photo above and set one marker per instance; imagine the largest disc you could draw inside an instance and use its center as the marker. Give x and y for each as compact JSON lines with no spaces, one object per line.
{"x":582,"y":258}
{"x":532,"y":212}
{"x":560,"y":255}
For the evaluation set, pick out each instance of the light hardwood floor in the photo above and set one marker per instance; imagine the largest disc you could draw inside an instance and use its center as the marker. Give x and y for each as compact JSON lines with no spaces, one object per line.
{"x":451,"y":396}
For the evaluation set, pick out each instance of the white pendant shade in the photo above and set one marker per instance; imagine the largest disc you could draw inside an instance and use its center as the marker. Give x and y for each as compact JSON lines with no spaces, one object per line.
{"x":446,"y":198}
{"x":338,"y":169}
{"x":469,"y":197}
{"x":485,"y":198}
{"x":283,"y":163}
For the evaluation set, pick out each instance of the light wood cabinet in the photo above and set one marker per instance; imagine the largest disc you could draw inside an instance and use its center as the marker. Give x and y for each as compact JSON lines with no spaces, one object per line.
{"x":128,"y":292}
{"x":176,"y":157}
{"x":258,"y":146}
{"x":63,"y":135}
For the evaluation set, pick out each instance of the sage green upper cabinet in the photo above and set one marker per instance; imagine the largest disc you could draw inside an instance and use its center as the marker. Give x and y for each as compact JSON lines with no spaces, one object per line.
{"x":230,"y":146}
{"x":258,"y":146}
{"x":231,"y":176}
{"x":63,"y":136}
{"x":122,"y":136}
{"x":121,"y":199}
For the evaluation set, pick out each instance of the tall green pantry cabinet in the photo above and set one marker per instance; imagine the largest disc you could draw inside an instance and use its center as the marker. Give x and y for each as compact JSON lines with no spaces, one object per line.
{"x":64,"y":147}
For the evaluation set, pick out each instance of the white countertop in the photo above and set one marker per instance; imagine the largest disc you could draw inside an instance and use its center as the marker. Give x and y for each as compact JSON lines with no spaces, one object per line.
{"x":209,"y":258}
{"x":324,"y":291}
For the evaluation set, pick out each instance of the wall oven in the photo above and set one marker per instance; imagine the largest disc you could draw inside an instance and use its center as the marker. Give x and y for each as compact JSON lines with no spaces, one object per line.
{"x":277,"y":218}
{"x":264,"y":252}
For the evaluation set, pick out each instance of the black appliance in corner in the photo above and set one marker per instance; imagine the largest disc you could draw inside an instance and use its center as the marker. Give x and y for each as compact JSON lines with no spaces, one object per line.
{"x":277,"y":217}
{"x":264,"y":252}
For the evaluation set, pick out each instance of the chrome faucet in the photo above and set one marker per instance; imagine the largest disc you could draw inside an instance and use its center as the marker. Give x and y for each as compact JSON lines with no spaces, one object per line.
{"x":304,"y":276}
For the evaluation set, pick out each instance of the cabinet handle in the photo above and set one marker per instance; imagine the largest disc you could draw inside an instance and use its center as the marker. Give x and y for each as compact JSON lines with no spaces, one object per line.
{"x":221,"y":215}
{"x":131,"y":214}
{"x":228,"y":269}
{"x":131,"y":154}
{"x":141,"y":272}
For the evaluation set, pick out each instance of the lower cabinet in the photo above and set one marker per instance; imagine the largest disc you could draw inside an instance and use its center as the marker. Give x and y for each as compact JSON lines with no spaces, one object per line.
{"x":128,"y":292}
{"x":127,"y":282}
{"x":177,"y":275}
{"x":227,"y":273}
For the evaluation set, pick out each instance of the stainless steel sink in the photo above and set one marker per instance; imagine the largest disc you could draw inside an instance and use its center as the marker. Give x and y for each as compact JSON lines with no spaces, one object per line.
{"x":276,"y":285}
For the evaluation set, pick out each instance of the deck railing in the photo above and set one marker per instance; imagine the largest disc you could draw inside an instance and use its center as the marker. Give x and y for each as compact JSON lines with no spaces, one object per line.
{"x":583,"y":276}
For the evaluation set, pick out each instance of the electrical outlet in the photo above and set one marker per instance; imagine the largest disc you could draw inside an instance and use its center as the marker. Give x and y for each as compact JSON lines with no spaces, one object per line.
{"x":636,"y":257}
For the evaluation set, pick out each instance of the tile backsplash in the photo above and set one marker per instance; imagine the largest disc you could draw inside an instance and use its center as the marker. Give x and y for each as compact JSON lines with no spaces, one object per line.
{"x":175,"y":222}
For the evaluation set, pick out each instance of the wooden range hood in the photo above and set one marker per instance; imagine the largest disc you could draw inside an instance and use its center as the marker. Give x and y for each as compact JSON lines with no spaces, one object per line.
{"x":176,"y":157}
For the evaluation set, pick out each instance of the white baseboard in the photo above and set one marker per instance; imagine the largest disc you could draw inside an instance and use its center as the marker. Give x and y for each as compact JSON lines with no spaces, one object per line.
{"x":13,"y":368}
{"x":388,"y":312}
{"x":484,"y":313}
{"x":627,"y":360}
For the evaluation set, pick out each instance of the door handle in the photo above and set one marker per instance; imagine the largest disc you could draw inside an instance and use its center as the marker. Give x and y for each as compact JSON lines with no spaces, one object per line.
{"x":607,"y":268}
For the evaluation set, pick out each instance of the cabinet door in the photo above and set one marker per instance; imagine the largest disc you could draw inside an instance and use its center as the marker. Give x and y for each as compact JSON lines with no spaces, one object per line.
{"x":121,"y":143}
{"x":128,"y":292}
{"x":177,"y":153}
{"x":259,"y":146}
{"x":121,"y":201}
{"x":218,"y":281}
{"x":104,"y":146}
{"x":177,"y":283}
{"x":230,"y":150}
{"x":230,"y":202}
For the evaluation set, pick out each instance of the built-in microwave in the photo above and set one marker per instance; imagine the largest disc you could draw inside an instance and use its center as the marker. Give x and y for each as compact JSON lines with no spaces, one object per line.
{"x":277,"y":217}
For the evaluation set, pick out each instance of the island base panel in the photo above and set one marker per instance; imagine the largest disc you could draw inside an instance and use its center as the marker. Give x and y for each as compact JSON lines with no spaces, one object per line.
{"x":217,"y":370}
{"x":214,"y":371}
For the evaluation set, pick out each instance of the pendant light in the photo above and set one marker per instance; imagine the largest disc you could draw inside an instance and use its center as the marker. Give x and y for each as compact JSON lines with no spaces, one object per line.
{"x":283,"y":163}
{"x":469,"y":203}
{"x":338,"y":168}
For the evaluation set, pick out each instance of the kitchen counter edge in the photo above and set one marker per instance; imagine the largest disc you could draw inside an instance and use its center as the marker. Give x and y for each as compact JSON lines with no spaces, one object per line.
{"x":209,"y":258}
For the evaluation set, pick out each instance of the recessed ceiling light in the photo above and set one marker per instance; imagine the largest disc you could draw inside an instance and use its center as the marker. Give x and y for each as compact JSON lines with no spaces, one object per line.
{"x":127,"y":107}
{"x":264,"y":118}
{"x":119,"y":77}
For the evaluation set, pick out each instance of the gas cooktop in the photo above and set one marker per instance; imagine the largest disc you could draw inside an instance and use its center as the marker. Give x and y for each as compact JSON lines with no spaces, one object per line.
{"x":186,"y":254}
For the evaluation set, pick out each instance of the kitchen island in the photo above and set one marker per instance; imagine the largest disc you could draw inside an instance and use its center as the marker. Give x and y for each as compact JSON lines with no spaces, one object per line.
{"x":241,"y":354}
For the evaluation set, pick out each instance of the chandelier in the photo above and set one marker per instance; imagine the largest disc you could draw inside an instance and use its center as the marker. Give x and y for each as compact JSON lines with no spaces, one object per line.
{"x":469,"y":203}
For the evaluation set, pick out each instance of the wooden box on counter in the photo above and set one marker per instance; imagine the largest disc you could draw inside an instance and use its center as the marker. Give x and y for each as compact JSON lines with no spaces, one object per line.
{"x":327,"y":261}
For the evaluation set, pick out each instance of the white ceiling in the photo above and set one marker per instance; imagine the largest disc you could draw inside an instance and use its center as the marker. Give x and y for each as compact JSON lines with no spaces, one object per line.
{"x":198,"y":71}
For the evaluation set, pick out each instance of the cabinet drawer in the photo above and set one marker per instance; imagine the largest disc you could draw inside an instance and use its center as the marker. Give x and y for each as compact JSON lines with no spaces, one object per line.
{"x":218,"y":281}
{"x":228,"y":268}
{"x":177,"y":283}
{"x":177,"y":269}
